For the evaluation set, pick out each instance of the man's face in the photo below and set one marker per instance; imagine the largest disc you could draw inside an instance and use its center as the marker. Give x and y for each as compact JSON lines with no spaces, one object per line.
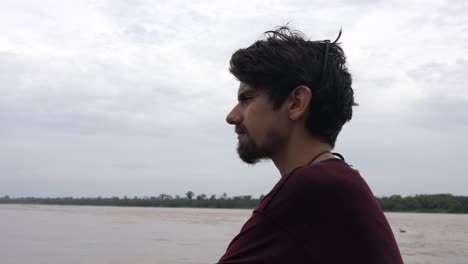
{"x":260,"y":128}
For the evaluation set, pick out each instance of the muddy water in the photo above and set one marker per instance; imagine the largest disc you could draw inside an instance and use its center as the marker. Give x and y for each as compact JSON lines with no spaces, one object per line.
{"x":88,"y":234}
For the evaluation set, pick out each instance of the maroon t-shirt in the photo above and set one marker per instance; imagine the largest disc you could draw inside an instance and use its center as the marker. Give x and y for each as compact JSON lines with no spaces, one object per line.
{"x":322,"y":213}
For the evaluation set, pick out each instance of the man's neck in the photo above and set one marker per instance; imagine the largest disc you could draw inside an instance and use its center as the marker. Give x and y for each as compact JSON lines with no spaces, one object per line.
{"x":299,"y":151}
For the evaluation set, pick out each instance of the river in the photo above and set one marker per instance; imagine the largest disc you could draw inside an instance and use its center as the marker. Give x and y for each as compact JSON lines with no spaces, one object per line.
{"x":113,"y":235}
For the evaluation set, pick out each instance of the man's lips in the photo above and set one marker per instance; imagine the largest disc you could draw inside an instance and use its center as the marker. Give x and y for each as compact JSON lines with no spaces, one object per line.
{"x":240,"y":131}
{"x":240,"y":134}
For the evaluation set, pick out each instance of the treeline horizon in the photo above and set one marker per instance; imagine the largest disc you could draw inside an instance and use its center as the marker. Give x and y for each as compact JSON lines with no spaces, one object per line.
{"x":422,"y":203}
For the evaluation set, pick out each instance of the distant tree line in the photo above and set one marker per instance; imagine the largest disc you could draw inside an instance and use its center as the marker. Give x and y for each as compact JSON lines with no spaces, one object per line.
{"x":429,"y":203}
{"x":425,"y":203}
{"x":163,"y":200}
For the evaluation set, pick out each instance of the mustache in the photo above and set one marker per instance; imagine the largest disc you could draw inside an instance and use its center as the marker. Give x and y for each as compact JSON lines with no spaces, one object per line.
{"x":240,"y":129}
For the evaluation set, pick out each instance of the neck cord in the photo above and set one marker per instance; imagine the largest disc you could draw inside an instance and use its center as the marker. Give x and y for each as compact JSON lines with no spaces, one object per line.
{"x":318,"y":155}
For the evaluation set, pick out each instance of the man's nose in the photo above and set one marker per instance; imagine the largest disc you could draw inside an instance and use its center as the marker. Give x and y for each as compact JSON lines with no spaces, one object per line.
{"x":235,"y":116}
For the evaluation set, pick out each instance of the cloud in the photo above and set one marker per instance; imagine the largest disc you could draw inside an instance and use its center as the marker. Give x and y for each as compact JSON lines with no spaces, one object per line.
{"x":443,"y":96}
{"x":132,"y":165}
{"x":98,"y":93}
{"x":442,"y":80}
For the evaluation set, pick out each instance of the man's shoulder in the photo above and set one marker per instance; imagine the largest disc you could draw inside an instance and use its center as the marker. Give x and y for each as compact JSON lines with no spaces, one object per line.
{"x":331,"y":184}
{"x":332,"y":174}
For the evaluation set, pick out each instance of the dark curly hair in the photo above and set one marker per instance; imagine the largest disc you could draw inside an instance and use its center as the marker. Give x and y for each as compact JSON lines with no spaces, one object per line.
{"x":284,"y":60}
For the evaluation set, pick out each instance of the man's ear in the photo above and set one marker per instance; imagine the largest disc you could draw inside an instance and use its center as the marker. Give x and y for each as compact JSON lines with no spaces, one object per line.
{"x":299,"y":101}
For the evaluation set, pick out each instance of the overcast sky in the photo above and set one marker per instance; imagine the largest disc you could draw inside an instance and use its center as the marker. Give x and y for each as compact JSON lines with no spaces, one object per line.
{"x":130,"y":97}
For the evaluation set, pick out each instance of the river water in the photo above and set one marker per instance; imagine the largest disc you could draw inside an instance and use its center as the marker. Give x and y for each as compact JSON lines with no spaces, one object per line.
{"x":113,"y":235}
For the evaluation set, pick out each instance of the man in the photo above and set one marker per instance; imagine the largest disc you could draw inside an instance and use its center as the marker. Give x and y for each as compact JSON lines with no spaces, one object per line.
{"x":293,"y":99}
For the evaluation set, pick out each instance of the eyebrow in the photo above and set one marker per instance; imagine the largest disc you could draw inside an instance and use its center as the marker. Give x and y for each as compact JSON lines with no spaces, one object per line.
{"x":244,"y":94}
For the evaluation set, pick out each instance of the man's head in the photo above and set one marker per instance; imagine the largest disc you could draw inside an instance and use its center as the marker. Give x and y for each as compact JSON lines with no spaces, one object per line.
{"x":276,"y":71}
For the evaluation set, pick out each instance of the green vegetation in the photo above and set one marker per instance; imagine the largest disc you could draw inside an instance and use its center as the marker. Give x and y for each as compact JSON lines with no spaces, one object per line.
{"x":163,"y":200}
{"x":427,"y":203}
{"x":431,"y":203}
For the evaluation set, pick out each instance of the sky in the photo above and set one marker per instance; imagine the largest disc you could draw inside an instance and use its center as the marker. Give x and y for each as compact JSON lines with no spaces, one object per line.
{"x":114,"y":98}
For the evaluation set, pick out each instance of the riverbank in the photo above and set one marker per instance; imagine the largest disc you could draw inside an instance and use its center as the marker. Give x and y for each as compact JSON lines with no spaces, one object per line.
{"x":427,"y":203}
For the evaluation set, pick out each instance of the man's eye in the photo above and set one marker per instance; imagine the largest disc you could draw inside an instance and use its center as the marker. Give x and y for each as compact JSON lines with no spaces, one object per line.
{"x":245,"y":98}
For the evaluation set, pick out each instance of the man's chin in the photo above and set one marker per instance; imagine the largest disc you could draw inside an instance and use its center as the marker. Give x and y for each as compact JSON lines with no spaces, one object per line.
{"x":250,"y":153}
{"x":249,"y":160}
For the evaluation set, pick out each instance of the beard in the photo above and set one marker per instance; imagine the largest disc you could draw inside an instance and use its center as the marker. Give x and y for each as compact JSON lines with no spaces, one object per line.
{"x":250,"y":152}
